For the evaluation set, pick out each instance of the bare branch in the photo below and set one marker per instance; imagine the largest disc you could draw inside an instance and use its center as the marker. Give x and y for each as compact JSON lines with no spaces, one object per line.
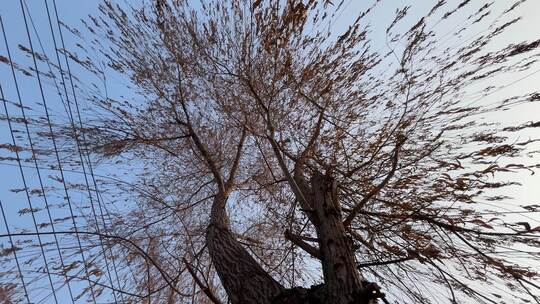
{"x":201,"y":285}
{"x":298,"y":241}
{"x":356,"y":209}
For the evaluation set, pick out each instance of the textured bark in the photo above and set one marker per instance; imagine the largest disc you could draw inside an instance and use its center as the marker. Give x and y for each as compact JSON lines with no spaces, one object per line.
{"x":245,"y":281}
{"x":343,"y":284}
{"x":242,"y":277}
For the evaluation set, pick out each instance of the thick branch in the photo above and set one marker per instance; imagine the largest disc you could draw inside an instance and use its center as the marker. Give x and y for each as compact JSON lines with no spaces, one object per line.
{"x":297,"y":185}
{"x":206,"y":156}
{"x":380,"y":263}
{"x":234,"y":168}
{"x":298,"y":241}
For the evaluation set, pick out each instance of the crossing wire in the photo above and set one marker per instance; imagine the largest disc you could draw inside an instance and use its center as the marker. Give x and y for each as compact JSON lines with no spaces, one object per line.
{"x":52,"y":133}
{"x":32,"y":211}
{"x":13,"y":248}
{"x":54,"y":142}
{"x":56,"y":151}
{"x":81,"y":150}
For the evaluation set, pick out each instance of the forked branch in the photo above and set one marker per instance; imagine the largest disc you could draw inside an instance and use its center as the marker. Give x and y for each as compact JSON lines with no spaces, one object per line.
{"x":377,"y":189}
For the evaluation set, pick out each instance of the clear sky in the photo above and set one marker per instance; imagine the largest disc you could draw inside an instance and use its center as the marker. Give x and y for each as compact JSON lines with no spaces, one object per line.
{"x":71,"y":11}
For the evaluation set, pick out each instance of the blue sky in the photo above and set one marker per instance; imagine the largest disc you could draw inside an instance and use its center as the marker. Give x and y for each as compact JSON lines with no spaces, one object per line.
{"x":10,"y":178}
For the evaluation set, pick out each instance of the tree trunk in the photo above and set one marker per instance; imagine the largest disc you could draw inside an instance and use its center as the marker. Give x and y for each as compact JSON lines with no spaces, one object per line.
{"x":242,"y":277}
{"x":343,"y":284}
{"x":246,"y":282}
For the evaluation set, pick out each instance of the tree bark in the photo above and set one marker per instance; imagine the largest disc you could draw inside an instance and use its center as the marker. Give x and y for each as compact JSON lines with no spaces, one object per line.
{"x":343,"y":283}
{"x":245,"y":281}
{"x":242,"y":277}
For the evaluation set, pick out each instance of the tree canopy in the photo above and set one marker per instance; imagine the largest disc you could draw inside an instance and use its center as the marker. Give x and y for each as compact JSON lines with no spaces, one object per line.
{"x":277,"y":161}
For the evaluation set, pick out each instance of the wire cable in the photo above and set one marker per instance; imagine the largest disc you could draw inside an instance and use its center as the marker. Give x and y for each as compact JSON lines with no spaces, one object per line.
{"x":78,"y":143}
{"x":32,"y":210}
{"x":54,"y":144}
{"x":14,"y":249}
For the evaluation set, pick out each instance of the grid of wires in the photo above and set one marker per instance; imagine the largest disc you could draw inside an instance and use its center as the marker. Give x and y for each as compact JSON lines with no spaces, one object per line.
{"x":67,"y":239}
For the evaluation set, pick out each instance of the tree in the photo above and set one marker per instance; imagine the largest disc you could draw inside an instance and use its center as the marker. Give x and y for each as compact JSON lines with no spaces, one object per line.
{"x":271,"y":146}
